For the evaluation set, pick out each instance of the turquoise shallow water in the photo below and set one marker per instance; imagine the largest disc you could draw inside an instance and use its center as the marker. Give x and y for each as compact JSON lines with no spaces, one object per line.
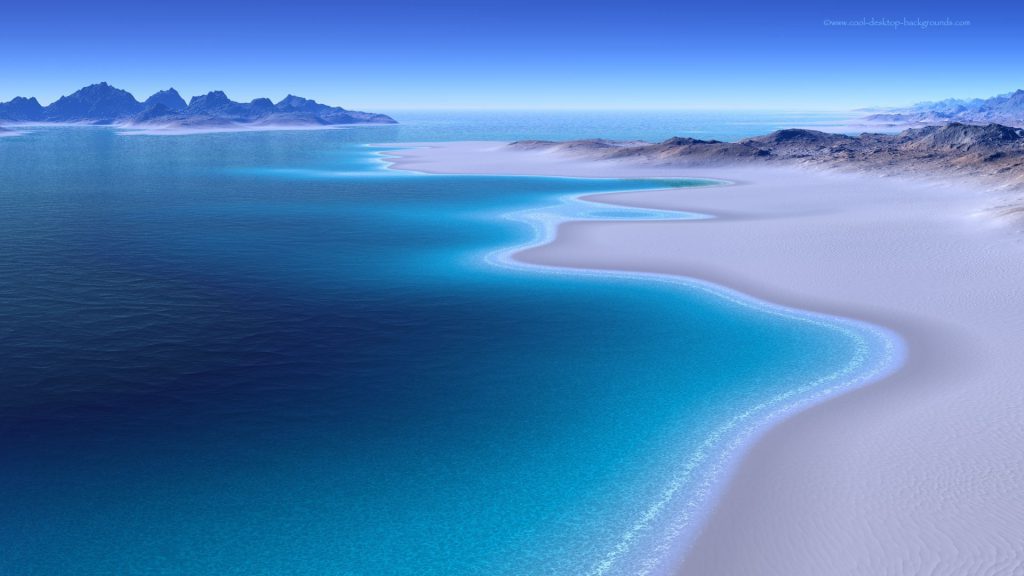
{"x":267,"y":354}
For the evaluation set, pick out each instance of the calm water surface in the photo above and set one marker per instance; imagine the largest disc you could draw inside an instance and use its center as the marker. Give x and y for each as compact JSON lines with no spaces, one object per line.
{"x":267,"y":354}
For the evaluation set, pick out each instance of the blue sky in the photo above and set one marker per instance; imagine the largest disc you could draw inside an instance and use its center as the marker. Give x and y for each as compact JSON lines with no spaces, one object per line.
{"x":402,"y":54}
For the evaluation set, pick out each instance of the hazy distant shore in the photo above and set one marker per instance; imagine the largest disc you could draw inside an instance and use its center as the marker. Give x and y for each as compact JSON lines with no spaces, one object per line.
{"x":185,"y":131}
{"x":919,"y":473}
{"x":17,"y":129}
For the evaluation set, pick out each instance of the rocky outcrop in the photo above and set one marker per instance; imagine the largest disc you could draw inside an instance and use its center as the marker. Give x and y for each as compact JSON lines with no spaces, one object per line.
{"x":961,"y":149}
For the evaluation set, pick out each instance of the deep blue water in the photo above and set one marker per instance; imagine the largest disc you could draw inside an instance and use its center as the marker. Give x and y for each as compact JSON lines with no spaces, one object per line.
{"x":266,"y":353}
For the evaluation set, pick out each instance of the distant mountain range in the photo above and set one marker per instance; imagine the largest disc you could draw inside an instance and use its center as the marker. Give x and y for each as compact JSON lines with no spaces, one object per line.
{"x":104,"y":104}
{"x":1007,"y":109}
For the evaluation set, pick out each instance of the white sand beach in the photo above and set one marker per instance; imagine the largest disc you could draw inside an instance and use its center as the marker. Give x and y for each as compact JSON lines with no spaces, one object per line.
{"x":920,"y":473}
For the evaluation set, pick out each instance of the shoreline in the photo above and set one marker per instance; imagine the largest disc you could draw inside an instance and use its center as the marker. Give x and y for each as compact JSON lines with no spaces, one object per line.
{"x":795,"y":503}
{"x":700,"y":479}
{"x":705,"y":473}
{"x":721,"y":452}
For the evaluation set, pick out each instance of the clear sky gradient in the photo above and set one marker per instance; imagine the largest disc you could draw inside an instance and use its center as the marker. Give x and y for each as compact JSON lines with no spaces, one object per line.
{"x":595,"y":54}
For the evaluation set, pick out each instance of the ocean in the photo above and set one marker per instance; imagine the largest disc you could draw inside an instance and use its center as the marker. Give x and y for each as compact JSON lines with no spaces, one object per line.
{"x":268,"y":353}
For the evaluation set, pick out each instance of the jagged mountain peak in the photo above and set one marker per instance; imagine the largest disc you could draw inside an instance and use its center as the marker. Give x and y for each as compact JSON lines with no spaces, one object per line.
{"x":168,"y":98}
